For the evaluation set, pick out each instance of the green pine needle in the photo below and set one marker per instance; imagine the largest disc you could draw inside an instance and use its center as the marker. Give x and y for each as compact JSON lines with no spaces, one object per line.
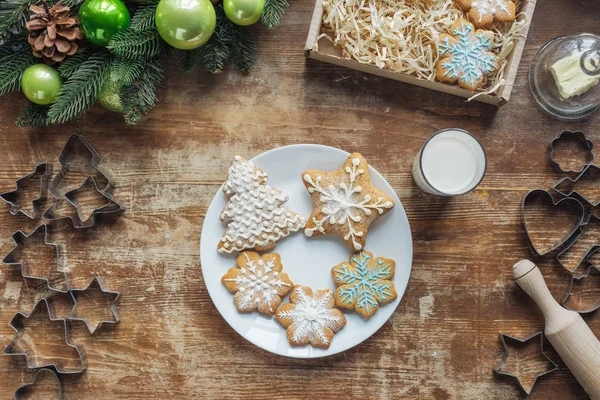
{"x":68,"y":67}
{"x":217,"y":50}
{"x":80,"y":91}
{"x":188,"y":59}
{"x":12,"y":66}
{"x":144,"y":17}
{"x":274,"y":9}
{"x":34,"y":115}
{"x":13,"y":16}
{"x":243,"y":49}
{"x":72,"y":3}
{"x":133,"y":43}
{"x":140,"y":97}
{"x":127,"y":70}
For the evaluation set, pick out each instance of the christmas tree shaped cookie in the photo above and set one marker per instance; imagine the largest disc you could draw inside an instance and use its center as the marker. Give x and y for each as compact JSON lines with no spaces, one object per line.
{"x":345,"y":202}
{"x":254,"y":214}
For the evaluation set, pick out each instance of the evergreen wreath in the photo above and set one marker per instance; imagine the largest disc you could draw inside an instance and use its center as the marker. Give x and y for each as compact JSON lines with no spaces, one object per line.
{"x":132,"y":59}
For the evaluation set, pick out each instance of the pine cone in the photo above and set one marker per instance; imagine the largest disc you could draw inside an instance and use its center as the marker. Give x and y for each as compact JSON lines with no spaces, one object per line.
{"x":53,"y":32}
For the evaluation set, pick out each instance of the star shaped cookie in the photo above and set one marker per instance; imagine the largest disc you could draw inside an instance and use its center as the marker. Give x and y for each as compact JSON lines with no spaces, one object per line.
{"x":345,"y":202}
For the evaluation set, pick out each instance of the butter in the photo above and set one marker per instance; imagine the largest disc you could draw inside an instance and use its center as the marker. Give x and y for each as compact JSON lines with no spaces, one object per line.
{"x":570,"y":78}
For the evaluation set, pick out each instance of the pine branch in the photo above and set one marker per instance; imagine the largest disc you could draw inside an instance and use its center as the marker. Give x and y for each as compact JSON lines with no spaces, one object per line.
{"x":127,"y":70}
{"x":80,"y":91}
{"x":72,"y":3}
{"x":133,"y":43}
{"x":12,"y":67}
{"x":188,"y":59}
{"x":140,"y":97}
{"x":68,"y":67}
{"x":13,"y":16}
{"x":243,"y":48}
{"x":274,"y":9}
{"x":217,"y":50}
{"x":33,"y":115}
{"x":144,"y":17}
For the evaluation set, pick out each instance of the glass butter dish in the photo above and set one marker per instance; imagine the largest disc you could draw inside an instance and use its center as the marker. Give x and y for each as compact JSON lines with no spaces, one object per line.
{"x":564,"y":76}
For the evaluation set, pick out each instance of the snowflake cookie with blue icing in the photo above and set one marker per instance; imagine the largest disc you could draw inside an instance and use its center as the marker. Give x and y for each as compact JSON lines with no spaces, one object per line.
{"x":482,"y":13}
{"x":257,"y":282}
{"x":311,"y":318}
{"x":364,"y":283}
{"x":345,"y":202}
{"x":466,"y":56}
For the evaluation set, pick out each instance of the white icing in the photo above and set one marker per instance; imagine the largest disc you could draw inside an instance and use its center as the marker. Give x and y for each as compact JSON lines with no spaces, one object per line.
{"x":258,"y":282}
{"x":492,"y":7}
{"x":253,"y":213}
{"x":344,"y":205}
{"x":311,"y":316}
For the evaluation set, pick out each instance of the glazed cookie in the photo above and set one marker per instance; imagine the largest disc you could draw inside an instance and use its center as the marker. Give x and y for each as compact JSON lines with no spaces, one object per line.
{"x":483,"y":12}
{"x":311,"y":318}
{"x":257,"y":282}
{"x":255,"y":218}
{"x":364,"y":283}
{"x":466,"y":56}
{"x":345,"y":202}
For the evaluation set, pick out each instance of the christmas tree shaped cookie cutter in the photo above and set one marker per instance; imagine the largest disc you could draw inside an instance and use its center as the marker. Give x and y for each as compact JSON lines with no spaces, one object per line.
{"x":39,"y":376}
{"x":42,"y":172}
{"x":17,"y":324}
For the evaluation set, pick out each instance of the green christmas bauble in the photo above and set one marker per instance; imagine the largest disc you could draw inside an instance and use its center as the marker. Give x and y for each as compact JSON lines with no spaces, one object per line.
{"x":110,"y":97}
{"x":100,"y":19}
{"x":244,"y":12}
{"x":185,"y":24}
{"x":40,"y":83}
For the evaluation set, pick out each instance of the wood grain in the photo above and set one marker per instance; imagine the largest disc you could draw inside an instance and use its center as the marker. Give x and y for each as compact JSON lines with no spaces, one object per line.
{"x":441,"y":343}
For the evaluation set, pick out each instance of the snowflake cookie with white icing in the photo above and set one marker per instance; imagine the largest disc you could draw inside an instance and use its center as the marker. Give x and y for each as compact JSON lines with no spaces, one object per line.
{"x":311,"y":318}
{"x":257,"y":282}
{"x":482,"y":13}
{"x":465,"y":56}
{"x":345,"y":202}
{"x":254,"y":214}
{"x":364,"y":283}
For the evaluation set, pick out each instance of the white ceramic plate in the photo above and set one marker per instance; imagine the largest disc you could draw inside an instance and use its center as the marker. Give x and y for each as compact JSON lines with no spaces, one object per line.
{"x":308,"y":261}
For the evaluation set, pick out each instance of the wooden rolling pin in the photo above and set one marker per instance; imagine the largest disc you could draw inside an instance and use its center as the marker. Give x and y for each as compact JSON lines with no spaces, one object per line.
{"x":566,"y":330}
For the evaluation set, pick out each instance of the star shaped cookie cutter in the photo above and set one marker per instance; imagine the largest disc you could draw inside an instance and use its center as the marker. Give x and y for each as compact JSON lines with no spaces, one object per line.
{"x":17,"y":325}
{"x":43,"y":170}
{"x":23,"y":388}
{"x":95,"y":284}
{"x":516,"y":375}
{"x":112,"y":206}
{"x":19,"y":238}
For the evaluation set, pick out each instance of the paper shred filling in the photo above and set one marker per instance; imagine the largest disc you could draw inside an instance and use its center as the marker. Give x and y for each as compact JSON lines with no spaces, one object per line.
{"x":401,"y":35}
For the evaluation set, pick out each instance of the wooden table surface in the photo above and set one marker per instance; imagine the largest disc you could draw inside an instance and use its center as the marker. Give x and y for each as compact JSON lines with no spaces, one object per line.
{"x":441,"y":343}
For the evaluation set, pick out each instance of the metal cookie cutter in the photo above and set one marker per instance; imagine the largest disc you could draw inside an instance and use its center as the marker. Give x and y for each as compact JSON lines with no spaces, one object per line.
{"x":565,"y":257}
{"x":576,"y":137}
{"x":95,"y":285}
{"x":77,"y":217}
{"x":38,"y":375}
{"x":12,"y":258}
{"x":584,"y":305}
{"x":570,"y":204}
{"x":92,"y":168}
{"x":42,"y":170}
{"x":516,"y":375}
{"x":17,"y":325}
{"x":568,"y":186}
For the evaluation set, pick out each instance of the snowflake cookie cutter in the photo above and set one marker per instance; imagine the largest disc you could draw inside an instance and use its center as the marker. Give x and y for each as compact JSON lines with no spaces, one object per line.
{"x":111,"y":206}
{"x":43,"y":170}
{"x":19,"y":238}
{"x":568,"y":187}
{"x":75,"y":144}
{"x":96,"y":283}
{"x":576,"y":137}
{"x":21,"y":390}
{"x":17,"y":324}
{"x":516,"y":374}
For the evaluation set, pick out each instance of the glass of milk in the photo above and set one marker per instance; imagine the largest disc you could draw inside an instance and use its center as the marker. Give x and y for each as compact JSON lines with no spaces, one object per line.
{"x":452,"y":162}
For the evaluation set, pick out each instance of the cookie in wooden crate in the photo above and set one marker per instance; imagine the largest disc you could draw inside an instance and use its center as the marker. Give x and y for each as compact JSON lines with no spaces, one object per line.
{"x":257,"y":282}
{"x":345,"y":202}
{"x":311,"y":317}
{"x":466,"y":56}
{"x":254,"y":214}
{"x":482,"y":13}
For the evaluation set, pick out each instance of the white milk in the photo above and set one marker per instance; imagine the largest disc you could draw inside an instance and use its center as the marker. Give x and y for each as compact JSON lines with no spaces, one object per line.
{"x":451,"y":162}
